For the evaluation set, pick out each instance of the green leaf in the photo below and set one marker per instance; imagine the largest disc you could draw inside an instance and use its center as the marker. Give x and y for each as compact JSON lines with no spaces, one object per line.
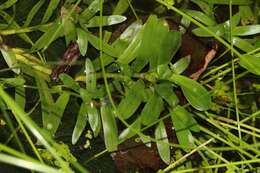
{"x":243,"y":44}
{"x":47,"y":37}
{"x":90,"y":75}
{"x":226,"y":2}
{"x":152,"y":109}
{"x":32,"y":12}
{"x":201,"y":17}
{"x":128,"y":132}
{"x":69,"y":82}
{"x":183,"y":122}
{"x":160,"y":49}
{"x":81,"y":123}
{"x":251,"y":63}
{"x":121,"y":7}
{"x":89,"y":12}
{"x":108,"y":49}
{"x":68,"y":26}
{"x":20,"y":92}
{"x":246,"y":30}
{"x":219,"y":30}
{"x":47,"y":103}
{"x":130,"y":53}
{"x":181,"y":65}
{"x":165,"y":90}
{"x":10,"y":59}
{"x":132,"y":100}
{"x":60,"y":106}
{"x":94,"y":119}
{"x":109,"y":127}
{"x":51,"y":7}
{"x":163,"y":143}
{"x":82,"y":41}
{"x":195,"y":93}
{"x":7,"y":4}
{"x":106,"y":21}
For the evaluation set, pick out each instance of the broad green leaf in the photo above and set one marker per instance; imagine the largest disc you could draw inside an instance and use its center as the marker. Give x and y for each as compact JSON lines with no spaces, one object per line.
{"x":165,"y":90}
{"x":130,"y":53}
{"x":60,"y":106}
{"x":152,"y":109}
{"x":106,"y":21}
{"x":242,"y":44}
{"x":181,"y":65}
{"x":226,"y":2}
{"x":109,"y":127}
{"x":130,"y":132}
{"x":44,"y":40}
{"x":94,"y":119}
{"x":81,"y":123}
{"x":89,"y":12}
{"x":50,"y":9}
{"x":32,"y":12}
{"x":203,"y":18}
{"x":69,"y":82}
{"x":251,"y":63}
{"x":82,"y":41}
{"x":222,"y":29}
{"x":219,"y":30}
{"x":47,"y":103}
{"x":90,"y":75}
{"x":7,"y":4}
{"x":131,"y":101}
{"x":10,"y":59}
{"x":160,"y":49}
{"x":195,"y":93}
{"x":163,"y":143}
{"x":246,"y":30}
{"x":183,"y":122}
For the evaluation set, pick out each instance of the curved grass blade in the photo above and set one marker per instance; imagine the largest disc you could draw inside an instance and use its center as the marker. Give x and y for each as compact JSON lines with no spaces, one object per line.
{"x":27,"y":164}
{"x":50,"y":9}
{"x":7,"y":4}
{"x":32,"y":12}
{"x":195,"y":93}
{"x":60,"y":106}
{"x":47,"y":103}
{"x":81,"y":123}
{"x":109,"y":127}
{"x":163,"y":143}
